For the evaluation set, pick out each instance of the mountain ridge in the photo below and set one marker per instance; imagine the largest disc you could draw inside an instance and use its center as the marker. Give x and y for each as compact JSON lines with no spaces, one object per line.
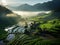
{"x":46,"y":6}
{"x":7,"y":17}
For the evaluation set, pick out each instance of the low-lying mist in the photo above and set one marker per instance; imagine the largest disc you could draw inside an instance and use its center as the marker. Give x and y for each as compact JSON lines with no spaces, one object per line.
{"x":30,"y":13}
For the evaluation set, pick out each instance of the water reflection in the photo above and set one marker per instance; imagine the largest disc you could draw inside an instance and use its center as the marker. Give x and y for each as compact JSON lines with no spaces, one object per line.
{"x":10,"y":37}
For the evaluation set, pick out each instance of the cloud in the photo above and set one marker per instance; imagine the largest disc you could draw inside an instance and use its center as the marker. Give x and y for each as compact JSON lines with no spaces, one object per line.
{"x":18,"y":2}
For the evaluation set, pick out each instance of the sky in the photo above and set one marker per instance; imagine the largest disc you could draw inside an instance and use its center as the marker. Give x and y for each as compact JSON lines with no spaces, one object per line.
{"x":19,"y":2}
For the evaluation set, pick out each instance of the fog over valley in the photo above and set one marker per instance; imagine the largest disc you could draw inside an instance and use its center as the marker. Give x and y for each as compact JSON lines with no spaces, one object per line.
{"x":29,"y":22}
{"x":30,"y":13}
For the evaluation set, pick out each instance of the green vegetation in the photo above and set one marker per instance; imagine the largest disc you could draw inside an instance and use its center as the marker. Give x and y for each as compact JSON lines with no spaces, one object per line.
{"x":42,"y":33}
{"x":44,"y":29}
{"x":51,"y":24}
{"x":27,"y":40}
{"x":3,"y":34}
{"x":7,"y":18}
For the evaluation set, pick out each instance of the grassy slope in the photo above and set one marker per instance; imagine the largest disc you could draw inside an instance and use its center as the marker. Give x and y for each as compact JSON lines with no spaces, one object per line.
{"x":3,"y":34}
{"x":50,"y":26}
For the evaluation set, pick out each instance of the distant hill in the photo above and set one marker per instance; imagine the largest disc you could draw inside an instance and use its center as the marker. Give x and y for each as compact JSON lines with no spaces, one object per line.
{"x":7,"y":17}
{"x":26,"y":7}
{"x":46,"y":6}
{"x":41,"y":7}
{"x":55,"y":7}
{"x":4,"y":10}
{"x":51,"y":5}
